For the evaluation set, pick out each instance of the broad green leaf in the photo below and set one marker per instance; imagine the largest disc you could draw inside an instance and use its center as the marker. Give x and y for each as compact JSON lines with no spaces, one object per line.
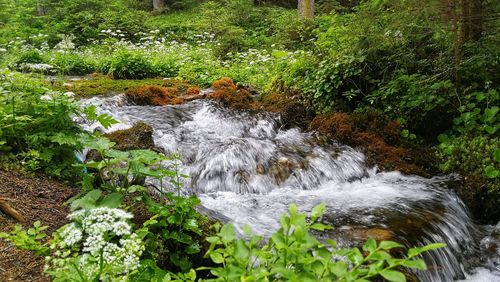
{"x":387,"y":245}
{"x":227,"y":233}
{"x":393,"y":276}
{"x":113,"y":200}
{"x":418,"y":264}
{"x":318,"y":211}
{"x":217,"y":258}
{"x":380,"y":255}
{"x":88,"y":201}
{"x":370,"y":245}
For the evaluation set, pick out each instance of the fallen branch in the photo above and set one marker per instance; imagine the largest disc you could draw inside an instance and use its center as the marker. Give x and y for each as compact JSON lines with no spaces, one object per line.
{"x":7,"y":209}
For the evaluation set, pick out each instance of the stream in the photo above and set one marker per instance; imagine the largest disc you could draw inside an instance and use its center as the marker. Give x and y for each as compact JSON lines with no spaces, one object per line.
{"x":246,"y":168}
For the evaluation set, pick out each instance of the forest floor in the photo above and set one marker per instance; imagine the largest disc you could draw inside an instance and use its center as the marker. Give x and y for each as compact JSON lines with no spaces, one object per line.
{"x":36,"y":198}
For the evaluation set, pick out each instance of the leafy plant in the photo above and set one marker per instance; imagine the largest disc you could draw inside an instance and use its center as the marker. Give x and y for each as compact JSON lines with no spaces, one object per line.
{"x":175,"y":237}
{"x":293,"y":254}
{"x":129,"y":64}
{"x":30,"y":239}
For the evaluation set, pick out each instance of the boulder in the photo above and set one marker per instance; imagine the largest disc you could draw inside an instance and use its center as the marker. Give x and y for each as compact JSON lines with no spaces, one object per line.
{"x":139,"y":136}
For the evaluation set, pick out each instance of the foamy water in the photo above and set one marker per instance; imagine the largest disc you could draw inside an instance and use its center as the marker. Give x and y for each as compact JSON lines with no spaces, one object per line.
{"x":247,"y":168}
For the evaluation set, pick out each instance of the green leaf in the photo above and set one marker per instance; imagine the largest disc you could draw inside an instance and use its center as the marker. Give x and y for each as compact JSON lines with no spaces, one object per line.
{"x":106,"y":120}
{"x":318,"y":211}
{"x":497,"y":155}
{"x":217,"y":258}
{"x":227,"y":233}
{"x":113,"y":200}
{"x":380,"y":255}
{"x":416,"y":251}
{"x":88,"y":201}
{"x":370,"y":245}
{"x":320,"y":226}
{"x":418,"y":264}
{"x":443,"y":138}
{"x":387,"y":245}
{"x":491,"y":172}
{"x":339,"y":268}
{"x":393,"y":276}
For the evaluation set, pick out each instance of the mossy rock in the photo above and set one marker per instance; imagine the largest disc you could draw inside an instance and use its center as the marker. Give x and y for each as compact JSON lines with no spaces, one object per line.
{"x":139,"y":136}
{"x":103,"y":85}
{"x":152,"y":95}
{"x":226,"y":92}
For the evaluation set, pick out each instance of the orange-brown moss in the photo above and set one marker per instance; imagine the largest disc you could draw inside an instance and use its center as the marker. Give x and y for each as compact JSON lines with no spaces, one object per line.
{"x":154,"y":95}
{"x":226,"y":83}
{"x":379,"y":138}
{"x":228,"y":93}
{"x":193,"y":90}
{"x":336,"y":125}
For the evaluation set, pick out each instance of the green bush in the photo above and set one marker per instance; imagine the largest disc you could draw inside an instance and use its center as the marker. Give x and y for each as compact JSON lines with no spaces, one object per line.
{"x":36,"y":127}
{"x":479,"y":155}
{"x":130,"y":65}
{"x":29,"y":57}
{"x":73,"y":64}
{"x":231,"y":40}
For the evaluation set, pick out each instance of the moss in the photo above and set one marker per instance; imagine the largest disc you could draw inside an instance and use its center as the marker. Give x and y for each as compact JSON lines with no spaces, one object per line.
{"x":103,"y":85}
{"x":139,"y":136}
{"x":294,"y":111}
{"x":379,"y":138}
{"x":482,"y":201}
{"x":154,"y":95}
{"x":228,"y":94}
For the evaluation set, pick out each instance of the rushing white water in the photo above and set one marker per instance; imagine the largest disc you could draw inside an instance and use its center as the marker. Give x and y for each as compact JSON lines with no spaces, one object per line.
{"x":245,"y":167}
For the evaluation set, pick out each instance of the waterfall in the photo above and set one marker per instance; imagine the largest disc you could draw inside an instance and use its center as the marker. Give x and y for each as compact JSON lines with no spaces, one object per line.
{"x":246,"y":167}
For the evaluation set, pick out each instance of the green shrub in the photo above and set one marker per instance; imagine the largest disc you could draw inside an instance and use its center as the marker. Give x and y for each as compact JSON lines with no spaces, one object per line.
{"x":73,"y":64}
{"x":478,"y":155}
{"x":29,"y":57}
{"x":231,"y":40}
{"x":36,"y":126}
{"x":130,"y":65}
{"x":166,"y":68}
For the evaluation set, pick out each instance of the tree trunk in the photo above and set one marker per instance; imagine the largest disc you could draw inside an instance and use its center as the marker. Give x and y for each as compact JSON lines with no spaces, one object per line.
{"x":158,"y":5}
{"x":476,"y":19}
{"x":41,"y":9}
{"x":464,"y":21}
{"x":306,"y":9}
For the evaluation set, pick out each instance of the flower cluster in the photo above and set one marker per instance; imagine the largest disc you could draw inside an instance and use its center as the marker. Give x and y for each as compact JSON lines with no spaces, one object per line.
{"x":99,"y":233}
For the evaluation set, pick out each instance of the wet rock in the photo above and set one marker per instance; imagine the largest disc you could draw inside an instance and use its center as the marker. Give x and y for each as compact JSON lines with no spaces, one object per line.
{"x":242,"y":176}
{"x":212,"y":215}
{"x":260,"y":169}
{"x":294,"y":112}
{"x":139,"y":136}
{"x":194,"y":93}
{"x":280,"y":170}
{"x":226,"y":92}
{"x":153,"y":96}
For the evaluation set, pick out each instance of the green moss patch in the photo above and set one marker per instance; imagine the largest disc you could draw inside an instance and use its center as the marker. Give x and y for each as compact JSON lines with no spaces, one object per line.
{"x":108,"y":86}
